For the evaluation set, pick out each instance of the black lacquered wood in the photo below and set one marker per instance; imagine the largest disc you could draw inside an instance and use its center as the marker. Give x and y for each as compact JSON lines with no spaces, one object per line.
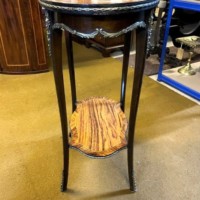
{"x":69,"y":47}
{"x":58,"y":77}
{"x":127,"y":45}
{"x":141,"y":38}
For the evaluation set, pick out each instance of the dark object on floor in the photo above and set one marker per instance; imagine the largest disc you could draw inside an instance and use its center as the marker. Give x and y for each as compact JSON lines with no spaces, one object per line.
{"x":183,"y":23}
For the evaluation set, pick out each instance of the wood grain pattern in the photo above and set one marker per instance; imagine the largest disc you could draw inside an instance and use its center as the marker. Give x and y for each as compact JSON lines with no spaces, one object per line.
{"x":94,"y":1}
{"x":22,"y":39}
{"x":98,"y":127}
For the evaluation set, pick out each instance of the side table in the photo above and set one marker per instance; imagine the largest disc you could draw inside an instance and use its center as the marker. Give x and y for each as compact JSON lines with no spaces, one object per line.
{"x":98,"y":125}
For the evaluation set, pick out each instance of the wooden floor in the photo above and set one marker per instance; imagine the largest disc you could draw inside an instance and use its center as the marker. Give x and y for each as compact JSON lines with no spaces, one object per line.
{"x":166,"y":146}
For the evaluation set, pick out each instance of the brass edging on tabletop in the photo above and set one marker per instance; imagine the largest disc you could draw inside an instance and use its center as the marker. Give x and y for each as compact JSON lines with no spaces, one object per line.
{"x":99,"y":10}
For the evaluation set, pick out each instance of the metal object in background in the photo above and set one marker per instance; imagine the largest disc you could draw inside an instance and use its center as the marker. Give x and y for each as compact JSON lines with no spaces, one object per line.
{"x":183,"y":23}
{"x":192,"y":42}
{"x":187,"y":69}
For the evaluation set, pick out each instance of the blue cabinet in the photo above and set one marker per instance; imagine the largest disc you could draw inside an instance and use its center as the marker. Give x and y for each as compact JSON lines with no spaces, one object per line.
{"x":185,"y":87}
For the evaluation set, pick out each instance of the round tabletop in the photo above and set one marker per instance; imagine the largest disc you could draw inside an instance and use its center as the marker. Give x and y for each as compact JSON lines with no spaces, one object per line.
{"x":98,"y":7}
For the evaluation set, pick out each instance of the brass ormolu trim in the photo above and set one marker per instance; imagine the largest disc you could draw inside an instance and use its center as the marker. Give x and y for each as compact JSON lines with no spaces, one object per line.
{"x":48,"y":30}
{"x":99,"y":10}
{"x":99,"y":31}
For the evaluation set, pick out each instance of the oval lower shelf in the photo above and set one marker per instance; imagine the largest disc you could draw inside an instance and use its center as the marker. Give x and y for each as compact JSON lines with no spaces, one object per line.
{"x":98,"y":127}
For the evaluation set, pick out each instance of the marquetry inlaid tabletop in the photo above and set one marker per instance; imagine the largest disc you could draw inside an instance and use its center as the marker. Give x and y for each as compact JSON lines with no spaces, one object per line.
{"x":99,"y":6}
{"x":98,"y":127}
{"x":94,"y":1}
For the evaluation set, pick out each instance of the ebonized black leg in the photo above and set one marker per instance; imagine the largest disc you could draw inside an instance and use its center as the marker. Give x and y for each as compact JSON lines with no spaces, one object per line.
{"x":127,"y":44}
{"x":58,"y":76}
{"x":71,"y":68}
{"x":141,"y":37}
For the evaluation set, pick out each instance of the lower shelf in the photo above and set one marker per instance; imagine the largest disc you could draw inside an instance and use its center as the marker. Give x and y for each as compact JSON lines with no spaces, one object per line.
{"x":98,"y":127}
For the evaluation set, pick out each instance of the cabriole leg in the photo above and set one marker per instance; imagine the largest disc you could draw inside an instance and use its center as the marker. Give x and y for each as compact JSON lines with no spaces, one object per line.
{"x":141,"y":37}
{"x":58,"y":76}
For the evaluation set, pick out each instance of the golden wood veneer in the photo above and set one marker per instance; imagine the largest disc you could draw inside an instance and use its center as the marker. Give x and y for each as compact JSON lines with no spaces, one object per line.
{"x":98,"y":127}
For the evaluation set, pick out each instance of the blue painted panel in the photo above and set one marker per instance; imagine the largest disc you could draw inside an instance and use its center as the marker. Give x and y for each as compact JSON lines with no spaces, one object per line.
{"x":188,"y":5}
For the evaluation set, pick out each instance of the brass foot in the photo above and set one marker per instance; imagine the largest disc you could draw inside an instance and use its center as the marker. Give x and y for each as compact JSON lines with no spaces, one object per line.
{"x":63,"y":183}
{"x":133,"y":186}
